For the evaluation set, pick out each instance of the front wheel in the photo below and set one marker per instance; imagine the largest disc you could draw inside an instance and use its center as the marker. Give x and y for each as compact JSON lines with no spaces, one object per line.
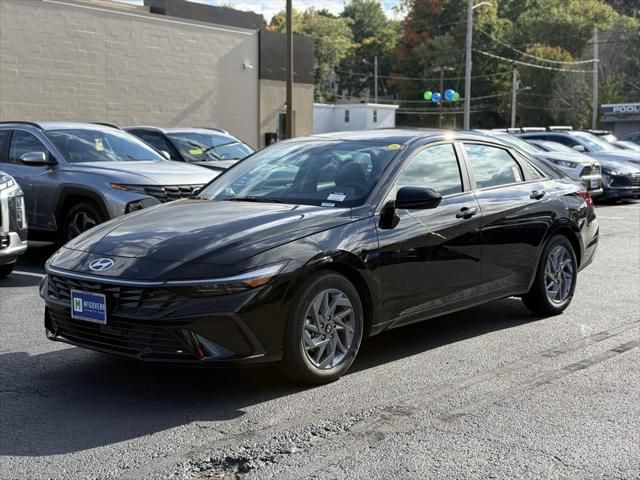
{"x":324,"y":331}
{"x":555,"y":282}
{"x":79,"y":219}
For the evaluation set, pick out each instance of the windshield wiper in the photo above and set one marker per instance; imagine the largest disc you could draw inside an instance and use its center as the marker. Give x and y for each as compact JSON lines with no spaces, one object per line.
{"x":254,"y":199}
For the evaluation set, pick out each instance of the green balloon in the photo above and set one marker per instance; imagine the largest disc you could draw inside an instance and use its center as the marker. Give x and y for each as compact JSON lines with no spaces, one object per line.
{"x":427,"y":95}
{"x":456,"y":96}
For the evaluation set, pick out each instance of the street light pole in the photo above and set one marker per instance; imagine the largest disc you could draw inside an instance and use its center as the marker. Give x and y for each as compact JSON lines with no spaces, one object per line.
{"x":594,"y":98}
{"x":375,"y":79}
{"x":289,"y":69}
{"x":467,"y":64}
{"x":514,"y":96}
{"x":467,"y":68}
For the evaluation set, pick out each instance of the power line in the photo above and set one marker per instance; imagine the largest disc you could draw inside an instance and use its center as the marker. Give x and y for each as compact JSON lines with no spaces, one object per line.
{"x":400,"y":77}
{"x":560,"y":62}
{"x":533,"y":65}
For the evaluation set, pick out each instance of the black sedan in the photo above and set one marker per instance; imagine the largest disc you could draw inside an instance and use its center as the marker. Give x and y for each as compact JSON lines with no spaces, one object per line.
{"x":299,"y":252}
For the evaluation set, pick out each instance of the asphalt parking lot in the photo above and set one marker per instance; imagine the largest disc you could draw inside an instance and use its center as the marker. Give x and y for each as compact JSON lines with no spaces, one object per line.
{"x":491,"y":392}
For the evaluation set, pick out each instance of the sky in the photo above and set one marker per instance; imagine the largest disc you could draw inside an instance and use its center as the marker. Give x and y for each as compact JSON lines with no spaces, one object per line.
{"x":270,"y":7}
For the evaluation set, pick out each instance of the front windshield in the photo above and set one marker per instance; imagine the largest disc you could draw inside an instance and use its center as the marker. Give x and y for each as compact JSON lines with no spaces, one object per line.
{"x":88,"y":145}
{"x":556,"y":147}
{"x":593,"y":143}
{"x":329,"y":173}
{"x":202,"y":147}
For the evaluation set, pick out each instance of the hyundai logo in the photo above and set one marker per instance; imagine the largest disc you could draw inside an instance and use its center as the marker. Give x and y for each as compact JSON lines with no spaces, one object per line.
{"x":101,"y":264}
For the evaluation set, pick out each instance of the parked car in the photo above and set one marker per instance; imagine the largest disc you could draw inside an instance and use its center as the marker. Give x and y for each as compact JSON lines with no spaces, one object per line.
{"x":606,"y":135}
{"x":620,"y":168}
{"x":77,"y":175}
{"x":632,"y":137}
{"x":575,"y":165}
{"x":378,"y":229}
{"x":627,"y":145}
{"x":211,"y":148}
{"x":13,"y":222}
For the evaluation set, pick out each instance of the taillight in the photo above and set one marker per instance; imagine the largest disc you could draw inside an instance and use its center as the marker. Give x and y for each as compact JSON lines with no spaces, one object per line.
{"x":587,"y":198}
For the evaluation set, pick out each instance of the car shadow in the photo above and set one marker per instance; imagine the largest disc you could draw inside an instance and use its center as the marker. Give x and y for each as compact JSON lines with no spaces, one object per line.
{"x":72,"y":399}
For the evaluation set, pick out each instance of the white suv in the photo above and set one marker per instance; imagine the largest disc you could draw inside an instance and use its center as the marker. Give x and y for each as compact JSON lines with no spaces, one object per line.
{"x":13,"y":224}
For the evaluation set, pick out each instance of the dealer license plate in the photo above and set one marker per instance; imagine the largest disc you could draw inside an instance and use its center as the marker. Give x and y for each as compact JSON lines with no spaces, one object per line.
{"x":91,"y":307}
{"x":594,"y":184}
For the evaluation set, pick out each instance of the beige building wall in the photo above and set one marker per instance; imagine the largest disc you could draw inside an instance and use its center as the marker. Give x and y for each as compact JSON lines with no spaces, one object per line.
{"x":89,"y":62}
{"x":273,"y":97}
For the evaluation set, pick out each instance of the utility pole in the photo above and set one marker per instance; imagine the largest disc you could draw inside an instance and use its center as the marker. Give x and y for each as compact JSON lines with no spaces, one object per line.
{"x":596,"y":62}
{"x":375,"y":79}
{"x":289,"y":69}
{"x":514,"y":96}
{"x":467,"y":68}
{"x":441,"y":96}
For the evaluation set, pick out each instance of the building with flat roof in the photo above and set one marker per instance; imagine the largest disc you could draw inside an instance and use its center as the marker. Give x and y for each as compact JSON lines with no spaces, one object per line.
{"x":621,"y":118}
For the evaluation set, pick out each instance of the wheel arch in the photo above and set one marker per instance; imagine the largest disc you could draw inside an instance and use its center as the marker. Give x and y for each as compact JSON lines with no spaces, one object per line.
{"x":572,"y":233}
{"x":354,"y":270}
{"x":72,"y":195}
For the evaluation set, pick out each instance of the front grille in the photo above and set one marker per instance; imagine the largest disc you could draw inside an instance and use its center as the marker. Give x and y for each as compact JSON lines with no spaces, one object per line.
{"x":119,"y":336}
{"x":636,"y":180}
{"x":168,"y":193}
{"x":120,"y":299}
{"x":590,"y":170}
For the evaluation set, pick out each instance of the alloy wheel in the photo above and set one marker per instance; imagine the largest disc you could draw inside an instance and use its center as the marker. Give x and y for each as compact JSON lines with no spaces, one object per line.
{"x":559,"y":274}
{"x":80,"y":222}
{"x":329,"y":329}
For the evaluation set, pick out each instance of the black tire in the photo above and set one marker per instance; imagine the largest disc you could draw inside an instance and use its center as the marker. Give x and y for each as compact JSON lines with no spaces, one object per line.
{"x":297,"y":363}
{"x":538,"y":298}
{"x":5,"y":270}
{"x":80,"y":218}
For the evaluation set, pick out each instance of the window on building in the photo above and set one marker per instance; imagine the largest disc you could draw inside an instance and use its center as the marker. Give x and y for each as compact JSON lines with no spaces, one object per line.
{"x":347,"y":115}
{"x":375,"y":116}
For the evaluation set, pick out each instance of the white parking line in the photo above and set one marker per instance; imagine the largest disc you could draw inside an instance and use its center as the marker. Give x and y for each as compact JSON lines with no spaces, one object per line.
{"x":28,"y":274}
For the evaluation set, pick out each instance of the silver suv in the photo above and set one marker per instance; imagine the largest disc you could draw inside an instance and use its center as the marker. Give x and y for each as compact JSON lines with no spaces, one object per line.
{"x":13,"y":224}
{"x":77,"y":175}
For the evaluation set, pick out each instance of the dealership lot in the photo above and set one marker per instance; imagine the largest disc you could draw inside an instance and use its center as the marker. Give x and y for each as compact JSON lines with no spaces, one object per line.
{"x":486,"y":392}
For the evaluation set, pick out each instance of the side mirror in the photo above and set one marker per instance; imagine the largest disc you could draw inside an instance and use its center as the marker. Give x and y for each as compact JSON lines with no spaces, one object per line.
{"x":36,"y":158}
{"x":579,"y":148}
{"x":417,"y":197}
{"x":165,"y":154}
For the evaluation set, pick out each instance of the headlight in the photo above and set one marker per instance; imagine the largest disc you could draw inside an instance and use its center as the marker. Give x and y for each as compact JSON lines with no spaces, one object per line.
{"x":6,"y":182}
{"x":127,"y":188}
{"x":223,"y":286}
{"x":613,"y":173}
{"x":564,"y":163}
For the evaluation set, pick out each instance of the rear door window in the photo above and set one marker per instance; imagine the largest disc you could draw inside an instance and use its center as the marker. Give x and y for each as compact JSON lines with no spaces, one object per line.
{"x":492,"y":166}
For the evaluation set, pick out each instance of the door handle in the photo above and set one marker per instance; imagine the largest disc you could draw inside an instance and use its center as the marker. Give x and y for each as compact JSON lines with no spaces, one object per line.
{"x":537,"y":194}
{"x":466,"y":212}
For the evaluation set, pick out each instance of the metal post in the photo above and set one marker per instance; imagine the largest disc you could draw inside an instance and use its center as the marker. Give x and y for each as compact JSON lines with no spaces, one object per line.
{"x":289,"y":69}
{"x":441,"y":96}
{"x":514,"y":96}
{"x":596,"y":61}
{"x":375,"y":79}
{"x":467,"y":68}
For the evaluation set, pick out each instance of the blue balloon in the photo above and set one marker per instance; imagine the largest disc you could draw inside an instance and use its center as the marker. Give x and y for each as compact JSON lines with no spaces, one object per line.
{"x":435,"y":97}
{"x":449,"y":94}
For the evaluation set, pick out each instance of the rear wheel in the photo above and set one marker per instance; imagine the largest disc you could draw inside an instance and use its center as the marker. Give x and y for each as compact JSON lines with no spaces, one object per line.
{"x":80,"y":218}
{"x":324,"y":331}
{"x":6,"y":269}
{"x":555,"y":282}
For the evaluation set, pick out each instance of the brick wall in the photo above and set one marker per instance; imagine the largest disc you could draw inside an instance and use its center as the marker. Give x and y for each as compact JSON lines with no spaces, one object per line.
{"x":66,"y":61}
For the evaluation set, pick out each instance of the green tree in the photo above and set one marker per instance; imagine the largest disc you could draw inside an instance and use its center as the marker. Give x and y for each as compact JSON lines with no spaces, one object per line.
{"x":374,"y":35}
{"x":332,"y":42}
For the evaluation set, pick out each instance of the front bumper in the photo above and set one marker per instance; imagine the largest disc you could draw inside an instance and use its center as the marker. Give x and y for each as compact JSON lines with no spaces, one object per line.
{"x":593,"y":184}
{"x":621,"y":186}
{"x":11,"y":247}
{"x":155,"y":325}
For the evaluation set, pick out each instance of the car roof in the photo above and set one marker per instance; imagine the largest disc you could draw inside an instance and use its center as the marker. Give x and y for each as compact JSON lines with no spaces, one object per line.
{"x":217,"y":131}
{"x":401,"y":136}
{"x":61,"y":125}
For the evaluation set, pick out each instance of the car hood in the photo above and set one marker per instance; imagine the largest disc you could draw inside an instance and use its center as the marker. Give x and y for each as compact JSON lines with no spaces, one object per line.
{"x":567,"y":156}
{"x":204,"y":231}
{"x":155,"y":172}
{"x":621,"y":156}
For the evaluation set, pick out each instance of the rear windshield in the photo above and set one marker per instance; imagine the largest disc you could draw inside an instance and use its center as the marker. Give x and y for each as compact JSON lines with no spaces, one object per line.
{"x":88,"y":145}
